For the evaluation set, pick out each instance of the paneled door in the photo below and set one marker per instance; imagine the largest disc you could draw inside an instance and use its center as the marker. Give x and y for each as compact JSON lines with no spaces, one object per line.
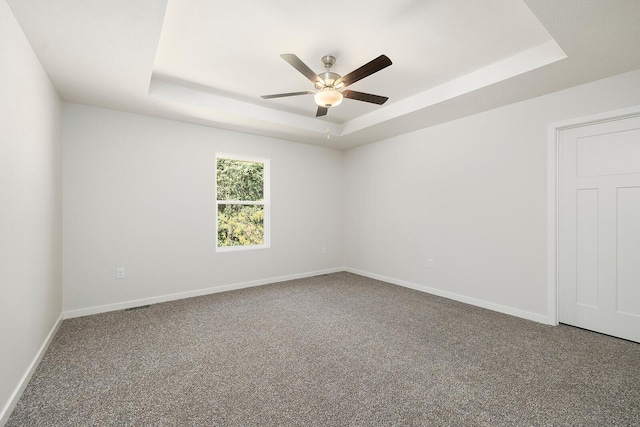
{"x":599,"y":227}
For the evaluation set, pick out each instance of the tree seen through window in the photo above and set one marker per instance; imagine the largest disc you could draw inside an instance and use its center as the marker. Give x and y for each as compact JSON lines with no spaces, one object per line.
{"x":240,"y":186}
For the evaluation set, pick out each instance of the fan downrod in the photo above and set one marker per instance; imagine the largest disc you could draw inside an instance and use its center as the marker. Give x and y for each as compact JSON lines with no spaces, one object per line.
{"x":328,"y":78}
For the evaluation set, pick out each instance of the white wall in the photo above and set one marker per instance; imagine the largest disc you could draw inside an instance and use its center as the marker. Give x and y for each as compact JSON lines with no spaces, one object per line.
{"x":138,"y":193}
{"x":471,"y":195}
{"x":30,"y":208}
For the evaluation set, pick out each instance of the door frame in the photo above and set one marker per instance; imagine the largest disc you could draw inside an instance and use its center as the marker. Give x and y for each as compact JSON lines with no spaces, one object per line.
{"x":553,"y":169}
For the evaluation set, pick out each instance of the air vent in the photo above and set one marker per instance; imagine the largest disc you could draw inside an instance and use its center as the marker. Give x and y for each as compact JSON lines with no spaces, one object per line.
{"x":140,"y":307}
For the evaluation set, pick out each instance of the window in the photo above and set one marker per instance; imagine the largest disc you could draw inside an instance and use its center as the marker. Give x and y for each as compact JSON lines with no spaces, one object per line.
{"x":242,"y":199}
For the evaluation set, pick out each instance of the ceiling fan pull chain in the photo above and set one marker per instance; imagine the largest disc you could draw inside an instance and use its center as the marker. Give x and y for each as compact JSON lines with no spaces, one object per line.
{"x":328,"y":134}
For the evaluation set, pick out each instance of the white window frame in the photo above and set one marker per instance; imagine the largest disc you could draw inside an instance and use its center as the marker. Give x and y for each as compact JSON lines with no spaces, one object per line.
{"x":266,"y":203}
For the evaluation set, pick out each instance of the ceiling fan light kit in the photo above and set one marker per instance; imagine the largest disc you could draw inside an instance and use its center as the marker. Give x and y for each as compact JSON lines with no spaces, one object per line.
{"x":329,"y":85}
{"x":328,"y":97}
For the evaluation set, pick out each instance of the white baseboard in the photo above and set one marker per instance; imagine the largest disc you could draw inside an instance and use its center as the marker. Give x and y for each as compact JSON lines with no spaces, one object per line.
{"x":171,"y":297}
{"x":199,"y":292}
{"x":15,"y":396}
{"x":456,"y":297}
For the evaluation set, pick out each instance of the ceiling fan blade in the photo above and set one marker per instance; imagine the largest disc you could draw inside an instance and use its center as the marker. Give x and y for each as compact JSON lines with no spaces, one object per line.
{"x":301,"y":66}
{"x":366,"y":97}
{"x":322,"y":111}
{"x":367,"y":69}
{"x":282,"y":95}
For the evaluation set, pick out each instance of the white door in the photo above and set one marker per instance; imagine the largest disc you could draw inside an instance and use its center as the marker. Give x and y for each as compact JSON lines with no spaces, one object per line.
{"x":599,"y":227}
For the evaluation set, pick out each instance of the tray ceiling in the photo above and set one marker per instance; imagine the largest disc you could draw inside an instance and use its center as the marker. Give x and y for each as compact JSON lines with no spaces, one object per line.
{"x":208,"y":62}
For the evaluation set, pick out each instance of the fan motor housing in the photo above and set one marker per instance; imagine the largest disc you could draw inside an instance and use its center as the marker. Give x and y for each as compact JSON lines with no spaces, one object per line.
{"x":328,"y":78}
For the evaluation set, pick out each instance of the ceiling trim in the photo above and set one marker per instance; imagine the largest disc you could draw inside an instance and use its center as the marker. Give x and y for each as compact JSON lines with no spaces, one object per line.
{"x":186,"y":93}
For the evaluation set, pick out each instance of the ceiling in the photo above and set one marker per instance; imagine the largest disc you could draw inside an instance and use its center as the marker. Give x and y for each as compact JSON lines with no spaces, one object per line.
{"x":208,"y":61}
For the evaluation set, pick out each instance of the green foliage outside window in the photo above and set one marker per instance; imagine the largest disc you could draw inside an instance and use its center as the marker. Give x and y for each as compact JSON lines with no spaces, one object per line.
{"x":240,"y":225}
{"x":240,"y":181}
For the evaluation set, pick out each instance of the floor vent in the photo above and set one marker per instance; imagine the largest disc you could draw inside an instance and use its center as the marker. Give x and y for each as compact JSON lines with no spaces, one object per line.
{"x":140,"y":307}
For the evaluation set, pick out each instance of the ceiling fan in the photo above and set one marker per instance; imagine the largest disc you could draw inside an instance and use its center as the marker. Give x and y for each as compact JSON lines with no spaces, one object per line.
{"x":330,"y":86}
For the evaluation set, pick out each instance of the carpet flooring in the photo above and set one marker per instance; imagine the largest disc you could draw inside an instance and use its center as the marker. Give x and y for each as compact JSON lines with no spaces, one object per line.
{"x":334,"y":350}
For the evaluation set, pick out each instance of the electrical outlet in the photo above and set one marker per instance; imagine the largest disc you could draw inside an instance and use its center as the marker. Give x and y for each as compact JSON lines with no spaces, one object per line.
{"x":430,"y":263}
{"x":120,"y":273}
{"x":324,"y":251}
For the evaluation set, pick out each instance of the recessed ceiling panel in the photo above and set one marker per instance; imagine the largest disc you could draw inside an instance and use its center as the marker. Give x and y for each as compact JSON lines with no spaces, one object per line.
{"x":232,"y":48}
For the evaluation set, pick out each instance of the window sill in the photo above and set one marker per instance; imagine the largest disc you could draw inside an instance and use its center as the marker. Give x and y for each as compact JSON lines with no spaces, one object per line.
{"x":241,"y":248}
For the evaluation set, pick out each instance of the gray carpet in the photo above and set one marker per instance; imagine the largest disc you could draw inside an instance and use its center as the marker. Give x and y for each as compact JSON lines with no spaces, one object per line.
{"x":335,"y":350}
